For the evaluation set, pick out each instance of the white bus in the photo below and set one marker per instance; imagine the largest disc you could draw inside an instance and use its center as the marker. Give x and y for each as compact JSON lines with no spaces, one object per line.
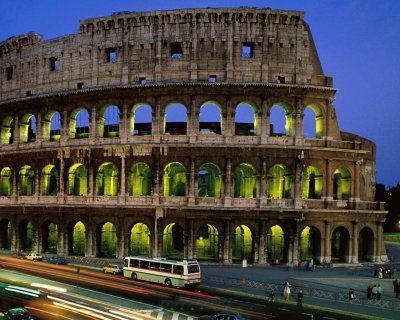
{"x":174,"y":273}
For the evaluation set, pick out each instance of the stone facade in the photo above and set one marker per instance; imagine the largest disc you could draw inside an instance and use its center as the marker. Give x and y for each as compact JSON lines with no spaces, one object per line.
{"x":227,"y":58}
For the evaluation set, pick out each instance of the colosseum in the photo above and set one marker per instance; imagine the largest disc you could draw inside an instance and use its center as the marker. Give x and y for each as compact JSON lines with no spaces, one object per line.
{"x":198,"y":133}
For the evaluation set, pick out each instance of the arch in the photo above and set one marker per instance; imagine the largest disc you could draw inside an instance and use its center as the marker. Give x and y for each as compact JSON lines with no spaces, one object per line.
{"x":7,"y":131}
{"x":52,"y":126}
{"x":313,"y":122}
{"x":310,"y":244}
{"x":5,"y":182}
{"x":281,"y":119}
{"x":141,"y":119}
{"x":77,"y":180}
{"x":107,"y":180}
{"x":173,"y":243}
{"x":247,"y":114}
{"x":245,"y":181}
{"x":140,"y":240}
{"x":6,"y":234}
{"x":76,"y":238}
{"x":243,"y":245}
{"x":27,"y":128}
{"x":49,"y":180}
{"x":209,"y":180}
{"x":366,"y":244}
{"x":210,"y":117}
{"x":49,"y":237}
{"x":207,"y":243}
{"x":275,"y":246}
{"x":79,"y":124}
{"x":109,"y":119}
{"x":175,"y":119}
{"x":340,"y":245}
{"x":140,"y":179}
{"x":25,"y":234}
{"x":279,"y":182}
{"x":25,"y":181}
{"x":106,"y":240}
{"x":341,"y":184}
{"x":312,"y":183}
{"x":174,"y":180}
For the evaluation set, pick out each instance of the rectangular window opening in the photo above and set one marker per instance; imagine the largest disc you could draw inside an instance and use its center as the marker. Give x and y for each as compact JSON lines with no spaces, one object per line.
{"x":111,"y":55}
{"x":79,"y":85}
{"x":281,"y":79}
{"x":142,"y":80}
{"x":176,"y":50}
{"x":29,"y":93}
{"x":54,"y":64}
{"x":9,"y":73}
{"x":212,"y":78}
{"x":247,"y":50}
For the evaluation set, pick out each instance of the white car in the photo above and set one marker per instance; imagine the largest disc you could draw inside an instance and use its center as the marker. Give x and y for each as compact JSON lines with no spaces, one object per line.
{"x":113,"y":268}
{"x":34,"y":256}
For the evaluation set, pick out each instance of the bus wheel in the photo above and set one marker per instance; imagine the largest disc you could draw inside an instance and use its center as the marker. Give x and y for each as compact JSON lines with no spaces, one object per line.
{"x":134,"y":276}
{"x":168,"y":283}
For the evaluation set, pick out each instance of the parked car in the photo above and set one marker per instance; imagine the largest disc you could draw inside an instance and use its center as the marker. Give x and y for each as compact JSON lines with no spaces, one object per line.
{"x":223,"y":316}
{"x":113,"y":268}
{"x":34,"y":256}
{"x":17,"y":314}
{"x":57,"y":260}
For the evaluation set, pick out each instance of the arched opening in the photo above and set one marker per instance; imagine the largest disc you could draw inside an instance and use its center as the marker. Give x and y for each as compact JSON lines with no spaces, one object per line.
{"x":140,"y":240}
{"x":175,"y":120}
{"x":242,"y":247}
{"x":109,"y":119}
{"x":79,"y":124}
{"x":49,"y":237}
{"x":25,"y":181}
{"x":173,"y":244}
{"x":77,"y":180}
{"x":210,"y":118}
{"x":76,"y":239}
{"x":312,"y":183}
{"x":49,"y":179}
{"x":313,"y":122}
{"x":246,"y":119}
{"x":275,"y":245}
{"x":366,"y":245}
{"x":174,"y":180}
{"x":27,"y":127}
{"x":106,"y":240}
{"x":5,"y":182}
{"x":245,"y":181}
{"x":340,"y":245}
{"x":209,"y":181}
{"x":7,"y":131}
{"x":341,"y":184}
{"x":310,"y":245}
{"x":140,"y":179}
{"x":279,"y":182}
{"x":52,"y":126}
{"x":207,"y":243}
{"x":6,"y":234}
{"x":281,"y":120}
{"x":141,"y":120}
{"x":107,"y":180}
{"x":25,"y":233}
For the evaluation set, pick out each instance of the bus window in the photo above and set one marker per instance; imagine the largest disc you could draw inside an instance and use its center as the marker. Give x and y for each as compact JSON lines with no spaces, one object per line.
{"x":126,"y":263}
{"x":166,"y":267}
{"x":178,"y":269}
{"x":144,"y":264}
{"x":134,"y":263}
{"x":154,"y":265}
{"x":193,"y":268}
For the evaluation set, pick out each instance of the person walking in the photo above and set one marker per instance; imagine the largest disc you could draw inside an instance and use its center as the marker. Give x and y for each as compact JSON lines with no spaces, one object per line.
{"x":286,"y":292}
{"x":380,"y":273}
{"x":396,"y":287}
{"x":271,"y":297}
{"x":300,"y":298}
{"x":374,"y":292}
{"x":379,"y":292}
{"x":351,"y":295}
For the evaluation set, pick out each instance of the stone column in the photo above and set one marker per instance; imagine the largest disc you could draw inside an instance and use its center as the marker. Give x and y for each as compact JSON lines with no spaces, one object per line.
{"x":92,"y":191}
{"x":37,"y":239}
{"x":121,"y":239}
{"x":262,"y":258}
{"x":379,"y":233}
{"x":229,"y":123}
{"x":15,"y":182}
{"x":228,"y":182}
{"x":64,"y":127}
{"x":60,"y":240}
{"x":328,"y":181}
{"x":36,"y":186}
{"x":191,"y":241}
{"x":296,"y":236}
{"x":354,"y":254}
{"x":91,"y":243}
{"x":15,"y":245}
{"x":122,"y":193}
{"x":39,"y":129}
{"x":17,"y":129}
{"x":93,"y":124}
{"x":256,"y":242}
{"x":298,"y":130}
{"x":124,"y":128}
{"x":191,"y":197}
{"x":327,"y":247}
{"x":264,"y":130}
{"x":263,"y":183}
{"x":193,"y":122}
{"x":227,"y":254}
{"x":356,"y":194}
{"x":156,"y":179}
{"x":298,"y":179}
{"x":61,"y":177}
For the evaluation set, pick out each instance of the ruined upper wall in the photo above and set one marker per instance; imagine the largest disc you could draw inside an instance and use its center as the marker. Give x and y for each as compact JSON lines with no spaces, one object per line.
{"x":228,"y":45}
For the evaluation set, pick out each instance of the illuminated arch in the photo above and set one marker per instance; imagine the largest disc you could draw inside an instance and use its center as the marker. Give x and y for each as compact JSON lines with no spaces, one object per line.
{"x":49,"y":237}
{"x":25,"y":234}
{"x":366,"y":244}
{"x":107,"y":240}
{"x":27,"y":128}
{"x":107,"y":180}
{"x":109,"y":119}
{"x":242,"y":246}
{"x":25,"y":181}
{"x":313,"y":122}
{"x":310,"y":244}
{"x":209,"y":180}
{"x":140,"y":240}
{"x":341,"y":184}
{"x":140,"y":179}
{"x":5,"y":182}
{"x":245,"y":181}
{"x":279,"y":182}
{"x":173,"y":243}
{"x":174,"y":180}
{"x":175,"y":119}
{"x":207,"y":243}
{"x":275,"y":244}
{"x":247,"y":113}
{"x":77,"y":180}
{"x":141,"y":119}
{"x":312,"y":183}
{"x":6,"y":234}
{"x":79,"y":124}
{"x":210,"y":117}
{"x":51,"y":126}
{"x":76,"y":238}
{"x":49,"y":180}
{"x":280,"y":126}
{"x":340,"y":244}
{"x":7,"y":131}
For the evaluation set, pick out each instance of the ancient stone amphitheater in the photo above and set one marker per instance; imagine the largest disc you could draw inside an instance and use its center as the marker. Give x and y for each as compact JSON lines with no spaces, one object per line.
{"x":199,"y":133}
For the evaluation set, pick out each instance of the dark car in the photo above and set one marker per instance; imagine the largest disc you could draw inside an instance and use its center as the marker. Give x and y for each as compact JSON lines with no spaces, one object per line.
{"x":18,"y":314}
{"x":57,"y":260}
{"x":223,"y":316}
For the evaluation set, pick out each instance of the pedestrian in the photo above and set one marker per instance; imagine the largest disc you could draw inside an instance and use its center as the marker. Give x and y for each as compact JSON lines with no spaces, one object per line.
{"x":300,"y":298}
{"x":379,"y":292}
{"x":380,"y":273}
{"x":369,"y":293}
{"x":351,"y":295}
{"x":374,"y":292}
{"x":396,"y":287}
{"x":286,"y":292}
{"x":271,"y":297}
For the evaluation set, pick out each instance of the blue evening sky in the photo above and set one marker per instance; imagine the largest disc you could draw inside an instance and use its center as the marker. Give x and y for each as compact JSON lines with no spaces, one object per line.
{"x":358,"y":42}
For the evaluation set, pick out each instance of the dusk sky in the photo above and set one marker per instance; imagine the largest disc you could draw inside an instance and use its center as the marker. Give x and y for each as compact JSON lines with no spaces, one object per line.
{"x":358,"y":42}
